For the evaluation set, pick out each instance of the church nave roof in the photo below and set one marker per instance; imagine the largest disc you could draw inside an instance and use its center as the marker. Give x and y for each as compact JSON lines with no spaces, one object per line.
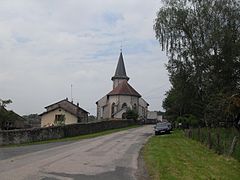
{"x":124,"y":89}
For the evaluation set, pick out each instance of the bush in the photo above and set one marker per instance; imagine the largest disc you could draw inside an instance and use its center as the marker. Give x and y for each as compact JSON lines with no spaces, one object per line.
{"x":188,"y":121}
{"x":131,"y":114}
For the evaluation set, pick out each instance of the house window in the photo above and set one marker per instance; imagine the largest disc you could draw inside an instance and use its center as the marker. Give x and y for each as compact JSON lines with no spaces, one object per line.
{"x":59,"y":119}
{"x":8,"y":124}
{"x":79,"y":119}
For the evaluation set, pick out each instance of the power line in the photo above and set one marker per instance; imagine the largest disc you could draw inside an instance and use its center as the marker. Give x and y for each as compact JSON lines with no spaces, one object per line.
{"x":155,"y":89}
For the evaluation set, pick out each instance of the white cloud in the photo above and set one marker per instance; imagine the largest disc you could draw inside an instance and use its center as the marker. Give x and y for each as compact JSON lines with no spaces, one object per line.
{"x":45,"y":46}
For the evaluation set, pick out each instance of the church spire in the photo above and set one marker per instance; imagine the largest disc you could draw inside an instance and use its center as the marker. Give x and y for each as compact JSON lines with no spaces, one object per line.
{"x":120,"y":72}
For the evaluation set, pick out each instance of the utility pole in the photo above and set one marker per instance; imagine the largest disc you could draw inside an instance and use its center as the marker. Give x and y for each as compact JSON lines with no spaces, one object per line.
{"x":71,"y":93}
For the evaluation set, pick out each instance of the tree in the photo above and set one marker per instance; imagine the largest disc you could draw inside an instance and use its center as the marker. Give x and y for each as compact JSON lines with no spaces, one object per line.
{"x":188,"y":121}
{"x":202,"y":41}
{"x":92,"y":118}
{"x":233,"y":109}
{"x":4,"y":114}
{"x":3,"y":103}
{"x":33,"y":120}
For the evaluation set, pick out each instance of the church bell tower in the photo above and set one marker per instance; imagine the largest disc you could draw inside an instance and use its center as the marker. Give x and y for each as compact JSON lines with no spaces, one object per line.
{"x":120,"y":73}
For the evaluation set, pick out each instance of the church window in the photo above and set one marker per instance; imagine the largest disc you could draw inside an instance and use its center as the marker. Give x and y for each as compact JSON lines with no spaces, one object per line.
{"x":124,"y":116}
{"x":124,"y":105}
{"x":135,"y":106}
{"x":113,"y":108}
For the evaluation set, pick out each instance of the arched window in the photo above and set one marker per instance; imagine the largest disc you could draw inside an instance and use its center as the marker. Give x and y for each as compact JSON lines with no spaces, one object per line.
{"x":124,"y":105}
{"x":135,"y":106}
{"x":113,"y":108}
{"x":124,"y":116}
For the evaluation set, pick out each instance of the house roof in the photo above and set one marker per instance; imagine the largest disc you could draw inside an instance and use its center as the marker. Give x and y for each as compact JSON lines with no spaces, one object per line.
{"x":65,"y":105}
{"x":66,"y":100}
{"x":56,"y":103}
{"x":11,"y":114}
{"x":120,"y":72}
{"x":124,"y":89}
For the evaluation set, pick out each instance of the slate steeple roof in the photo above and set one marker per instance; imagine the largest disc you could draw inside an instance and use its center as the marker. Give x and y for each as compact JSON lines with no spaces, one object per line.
{"x":120,"y":72}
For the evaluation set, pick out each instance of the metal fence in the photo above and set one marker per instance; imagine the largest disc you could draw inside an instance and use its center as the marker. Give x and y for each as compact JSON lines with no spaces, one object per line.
{"x":221,"y":140}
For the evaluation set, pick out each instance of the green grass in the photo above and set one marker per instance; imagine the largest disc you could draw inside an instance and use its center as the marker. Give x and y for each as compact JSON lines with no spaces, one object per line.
{"x":176,"y":157}
{"x":75,"y":138}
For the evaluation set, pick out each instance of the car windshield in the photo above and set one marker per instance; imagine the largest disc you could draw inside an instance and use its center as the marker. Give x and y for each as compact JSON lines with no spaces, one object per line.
{"x":161,"y":125}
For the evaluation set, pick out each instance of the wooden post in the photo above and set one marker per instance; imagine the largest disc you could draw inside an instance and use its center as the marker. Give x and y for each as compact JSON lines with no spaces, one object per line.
{"x":218,"y":139}
{"x":199,"y":134}
{"x":209,"y":140}
{"x":189,"y":133}
{"x":219,"y":149}
{"x":234,"y":142}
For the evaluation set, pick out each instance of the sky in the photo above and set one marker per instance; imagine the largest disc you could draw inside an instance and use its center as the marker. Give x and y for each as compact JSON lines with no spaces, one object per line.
{"x":47,"y":45}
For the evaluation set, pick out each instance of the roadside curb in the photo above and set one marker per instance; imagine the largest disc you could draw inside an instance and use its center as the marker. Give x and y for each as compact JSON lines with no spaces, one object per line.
{"x":141,"y":173}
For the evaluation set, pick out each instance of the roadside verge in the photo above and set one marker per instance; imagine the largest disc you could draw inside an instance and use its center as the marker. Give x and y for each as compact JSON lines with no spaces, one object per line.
{"x":174,"y":156}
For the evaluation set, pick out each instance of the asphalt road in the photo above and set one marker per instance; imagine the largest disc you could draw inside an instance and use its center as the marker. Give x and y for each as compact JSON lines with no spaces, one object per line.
{"x":109,"y":157}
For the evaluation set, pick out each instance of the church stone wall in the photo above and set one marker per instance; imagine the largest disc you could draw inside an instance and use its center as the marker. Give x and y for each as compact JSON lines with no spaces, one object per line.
{"x":102,"y":108}
{"x":119,"y":100}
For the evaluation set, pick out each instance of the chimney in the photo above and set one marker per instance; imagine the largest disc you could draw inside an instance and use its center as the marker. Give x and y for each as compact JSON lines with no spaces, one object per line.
{"x":78,"y":104}
{"x":66,"y":98}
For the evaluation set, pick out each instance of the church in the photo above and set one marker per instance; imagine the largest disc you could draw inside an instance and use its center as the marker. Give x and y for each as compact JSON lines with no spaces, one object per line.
{"x":122,"y":97}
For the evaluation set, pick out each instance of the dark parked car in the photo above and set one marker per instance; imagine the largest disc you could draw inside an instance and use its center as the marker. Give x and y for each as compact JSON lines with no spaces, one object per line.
{"x":169,"y":126}
{"x":162,"y":128}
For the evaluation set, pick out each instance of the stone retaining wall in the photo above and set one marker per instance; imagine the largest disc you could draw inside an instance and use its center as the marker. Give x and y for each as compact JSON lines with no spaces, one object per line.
{"x":41,"y":134}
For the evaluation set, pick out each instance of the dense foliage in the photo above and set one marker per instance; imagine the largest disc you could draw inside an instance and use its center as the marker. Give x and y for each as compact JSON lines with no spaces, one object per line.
{"x":33,"y":120}
{"x":4,"y":114}
{"x":202,"y":41}
{"x":3,"y":103}
{"x":131,"y":114}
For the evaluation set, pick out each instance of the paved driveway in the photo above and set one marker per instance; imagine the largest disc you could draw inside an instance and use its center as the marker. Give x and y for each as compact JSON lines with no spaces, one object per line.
{"x":109,"y":157}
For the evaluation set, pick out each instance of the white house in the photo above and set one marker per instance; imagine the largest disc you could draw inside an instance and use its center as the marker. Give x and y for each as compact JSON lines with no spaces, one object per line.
{"x":123,"y":96}
{"x":63,"y":112}
{"x":154,"y":116}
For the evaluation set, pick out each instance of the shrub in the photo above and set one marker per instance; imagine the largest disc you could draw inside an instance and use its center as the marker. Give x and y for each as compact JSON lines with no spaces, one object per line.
{"x":131,"y":114}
